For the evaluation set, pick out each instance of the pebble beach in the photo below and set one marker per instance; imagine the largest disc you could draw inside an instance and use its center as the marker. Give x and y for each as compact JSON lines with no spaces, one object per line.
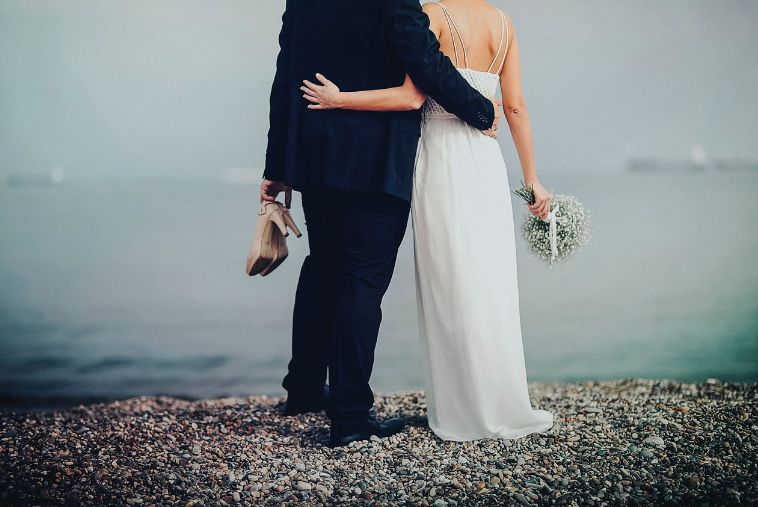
{"x":620,"y":442}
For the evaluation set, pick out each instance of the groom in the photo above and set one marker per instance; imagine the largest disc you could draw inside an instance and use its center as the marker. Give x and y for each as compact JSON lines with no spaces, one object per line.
{"x":354,"y":170}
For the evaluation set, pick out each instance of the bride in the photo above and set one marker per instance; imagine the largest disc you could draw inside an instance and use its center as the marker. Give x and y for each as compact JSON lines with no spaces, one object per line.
{"x":463,"y":231}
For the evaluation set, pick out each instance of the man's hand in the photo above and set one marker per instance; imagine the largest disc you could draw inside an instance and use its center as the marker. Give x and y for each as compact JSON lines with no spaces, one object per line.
{"x":270,"y":190}
{"x":492,"y":131}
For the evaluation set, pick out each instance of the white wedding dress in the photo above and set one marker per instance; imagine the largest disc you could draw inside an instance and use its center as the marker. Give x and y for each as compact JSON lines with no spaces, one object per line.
{"x":465,"y":251}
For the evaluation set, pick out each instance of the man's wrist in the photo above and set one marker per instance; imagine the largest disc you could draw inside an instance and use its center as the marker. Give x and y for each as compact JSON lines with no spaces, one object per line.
{"x":271,"y":176}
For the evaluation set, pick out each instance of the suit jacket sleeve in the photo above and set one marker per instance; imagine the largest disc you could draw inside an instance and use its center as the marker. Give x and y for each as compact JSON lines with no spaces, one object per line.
{"x":432,"y":71}
{"x":280,"y":106}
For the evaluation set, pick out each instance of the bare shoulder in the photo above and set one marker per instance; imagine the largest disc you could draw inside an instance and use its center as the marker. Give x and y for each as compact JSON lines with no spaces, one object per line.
{"x":430,"y":7}
{"x":511,"y":29}
{"x":496,"y":12}
{"x":434,"y":11}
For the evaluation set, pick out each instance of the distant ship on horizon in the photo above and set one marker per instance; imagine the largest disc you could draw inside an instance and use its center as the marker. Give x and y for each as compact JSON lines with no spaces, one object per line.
{"x":51,"y":178}
{"x":698,"y":161}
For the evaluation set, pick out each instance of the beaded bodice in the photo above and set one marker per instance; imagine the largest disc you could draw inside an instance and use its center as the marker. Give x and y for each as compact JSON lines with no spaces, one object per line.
{"x":485,"y":83}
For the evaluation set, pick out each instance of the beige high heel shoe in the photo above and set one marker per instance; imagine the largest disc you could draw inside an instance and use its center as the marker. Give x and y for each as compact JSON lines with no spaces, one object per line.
{"x":269,"y":248}
{"x":280,"y":250}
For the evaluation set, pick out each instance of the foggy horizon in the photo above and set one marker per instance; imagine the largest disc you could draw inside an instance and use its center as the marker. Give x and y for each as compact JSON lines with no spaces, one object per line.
{"x":180,"y":89}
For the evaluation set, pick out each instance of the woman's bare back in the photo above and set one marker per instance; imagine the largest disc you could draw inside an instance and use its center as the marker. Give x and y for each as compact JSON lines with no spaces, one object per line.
{"x":480,"y":27}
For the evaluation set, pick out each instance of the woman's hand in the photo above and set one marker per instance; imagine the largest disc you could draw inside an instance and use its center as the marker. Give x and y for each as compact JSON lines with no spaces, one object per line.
{"x":326,"y":96}
{"x":541,"y":206}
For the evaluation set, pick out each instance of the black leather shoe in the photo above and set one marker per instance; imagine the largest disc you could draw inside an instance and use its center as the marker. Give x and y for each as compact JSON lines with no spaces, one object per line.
{"x":296,"y":405}
{"x":369,"y":428}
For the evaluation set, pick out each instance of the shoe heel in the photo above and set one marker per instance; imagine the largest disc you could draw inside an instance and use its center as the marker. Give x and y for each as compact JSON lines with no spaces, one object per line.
{"x":278,"y":218}
{"x":291,"y":224}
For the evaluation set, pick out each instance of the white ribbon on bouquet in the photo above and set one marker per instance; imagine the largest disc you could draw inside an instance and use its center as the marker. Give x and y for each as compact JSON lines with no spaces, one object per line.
{"x":553,"y":220}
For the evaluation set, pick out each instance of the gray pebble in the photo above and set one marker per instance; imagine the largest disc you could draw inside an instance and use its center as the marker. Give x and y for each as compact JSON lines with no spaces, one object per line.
{"x":522,"y":499}
{"x":655,"y":441}
{"x":162,"y":451}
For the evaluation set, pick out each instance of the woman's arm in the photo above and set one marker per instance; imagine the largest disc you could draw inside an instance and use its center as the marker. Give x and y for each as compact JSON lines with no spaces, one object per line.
{"x":517,"y":116}
{"x":328,"y":96}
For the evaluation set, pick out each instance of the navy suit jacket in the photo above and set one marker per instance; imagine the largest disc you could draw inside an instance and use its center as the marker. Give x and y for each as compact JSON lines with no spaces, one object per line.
{"x":359,"y":45}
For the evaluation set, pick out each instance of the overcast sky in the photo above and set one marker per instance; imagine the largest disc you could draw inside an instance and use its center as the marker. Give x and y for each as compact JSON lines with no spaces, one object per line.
{"x":179,"y":87}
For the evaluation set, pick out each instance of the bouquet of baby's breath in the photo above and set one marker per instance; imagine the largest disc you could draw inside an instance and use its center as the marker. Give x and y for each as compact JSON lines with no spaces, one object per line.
{"x":563,"y":232}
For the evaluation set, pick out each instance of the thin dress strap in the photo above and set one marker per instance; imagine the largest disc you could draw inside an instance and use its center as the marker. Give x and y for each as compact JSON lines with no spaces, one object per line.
{"x":505,"y":52}
{"x":502,"y":37}
{"x":451,"y":24}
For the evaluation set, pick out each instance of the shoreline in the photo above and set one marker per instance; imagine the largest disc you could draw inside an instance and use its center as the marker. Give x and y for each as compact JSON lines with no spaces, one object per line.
{"x":12,"y":404}
{"x":628,"y":441}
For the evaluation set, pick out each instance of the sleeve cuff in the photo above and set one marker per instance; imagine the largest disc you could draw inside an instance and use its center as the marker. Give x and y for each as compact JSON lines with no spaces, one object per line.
{"x":487,"y":118}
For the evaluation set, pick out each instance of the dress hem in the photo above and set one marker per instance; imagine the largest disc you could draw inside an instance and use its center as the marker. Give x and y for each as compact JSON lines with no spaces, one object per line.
{"x":511,"y":435}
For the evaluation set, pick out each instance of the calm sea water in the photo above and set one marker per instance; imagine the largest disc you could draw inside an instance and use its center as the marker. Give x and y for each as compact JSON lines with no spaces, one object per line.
{"x":118,"y":289}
